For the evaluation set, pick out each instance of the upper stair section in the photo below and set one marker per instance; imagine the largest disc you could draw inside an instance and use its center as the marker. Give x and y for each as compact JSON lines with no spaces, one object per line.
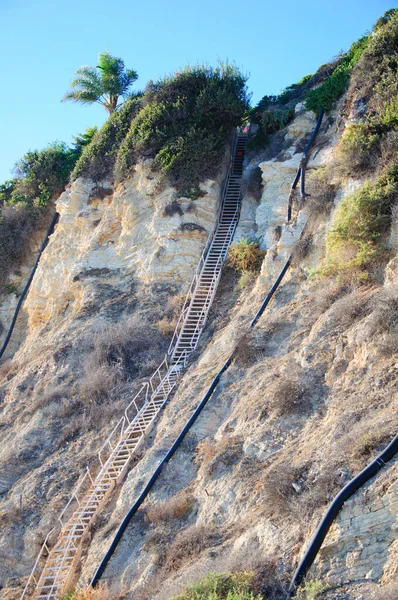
{"x":201,"y":294}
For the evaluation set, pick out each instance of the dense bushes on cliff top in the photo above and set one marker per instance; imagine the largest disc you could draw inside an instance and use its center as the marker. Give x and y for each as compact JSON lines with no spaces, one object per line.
{"x":98,"y":158}
{"x":183,"y":123}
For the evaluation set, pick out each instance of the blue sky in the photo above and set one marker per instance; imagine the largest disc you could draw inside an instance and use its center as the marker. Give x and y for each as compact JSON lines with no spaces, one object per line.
{"x":42,"y":42}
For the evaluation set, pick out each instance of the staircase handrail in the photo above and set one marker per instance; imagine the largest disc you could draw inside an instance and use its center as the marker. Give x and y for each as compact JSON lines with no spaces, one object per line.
{"x":31,"y":578}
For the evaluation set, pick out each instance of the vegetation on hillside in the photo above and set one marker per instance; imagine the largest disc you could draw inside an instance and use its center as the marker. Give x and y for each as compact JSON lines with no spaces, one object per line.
{"x":320,"y":90}
{"x":98,"y":158}
{"x":356,"y":242}
{"x":234,"y":586}
{"x":103,"y":84}
{"x":182,"y":122}
{"x":373,"y":142}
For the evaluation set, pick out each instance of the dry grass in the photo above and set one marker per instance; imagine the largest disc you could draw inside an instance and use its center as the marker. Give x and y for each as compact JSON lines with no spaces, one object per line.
{"x":166,"y":326}
{"x":322,"y":191}
{"x":177,"y":507}
{"x":383,"y":322}
{"x":51,"y":394}
{"x":251,"y":346}
{"x":277,"y":486}
{"x":101,"y":382}
{"x":212,"y":455}
{"x":351,"y":307}
{"x":289,"y":394}
{"x":245,"y":280}
{"x":100,"y":592}
{"x":5,"y":368}
{"x":297,"y":490}
{"x":14,"y":513}
{"x":302,"y":249}
{"x":329,"y":292}
{"x":188,"y":545}
{"x":121,"y":352}
{"x":386,"y":592}
{"x":246,"y":352}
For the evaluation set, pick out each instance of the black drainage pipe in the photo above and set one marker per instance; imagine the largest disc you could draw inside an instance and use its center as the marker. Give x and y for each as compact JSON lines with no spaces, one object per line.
{"x":26,"y":288}
{"x":301,"y":168}
{"x":156,"y":473}
{"x":271,"y":293}
{"x":363,"y":477}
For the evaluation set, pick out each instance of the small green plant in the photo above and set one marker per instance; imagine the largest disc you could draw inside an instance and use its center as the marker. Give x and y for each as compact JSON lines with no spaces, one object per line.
{"x":246,"y":278}
{"x":311,"y":590}
{"x":234,"y":586}
{"x":246,"y":256}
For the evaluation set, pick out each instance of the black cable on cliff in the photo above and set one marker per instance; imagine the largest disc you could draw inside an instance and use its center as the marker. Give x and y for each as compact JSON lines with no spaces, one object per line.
{"x":348,"y":490}
{"x":26,"y":288}
{"x":133,"y":510}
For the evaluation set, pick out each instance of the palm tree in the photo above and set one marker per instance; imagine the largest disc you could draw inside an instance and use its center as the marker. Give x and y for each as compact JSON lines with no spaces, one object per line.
{"x":105,"y":83}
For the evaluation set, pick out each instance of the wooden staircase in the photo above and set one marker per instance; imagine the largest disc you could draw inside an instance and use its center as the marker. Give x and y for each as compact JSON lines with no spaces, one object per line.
{"x":54,"y":570}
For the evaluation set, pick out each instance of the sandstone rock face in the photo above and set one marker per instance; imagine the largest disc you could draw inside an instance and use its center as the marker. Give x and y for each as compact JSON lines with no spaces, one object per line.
{"x":132,"y":232}
{"x":363,"y":542}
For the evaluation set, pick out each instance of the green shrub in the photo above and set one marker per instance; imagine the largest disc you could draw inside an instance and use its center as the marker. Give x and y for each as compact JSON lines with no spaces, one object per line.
{"x":42,"y":174}
{"x":246,"y":256}
{"x":98,"y":157}
{"x":6,"y":190}
{"x":326,"y":95}
{"x":273,"y":120}
{"x":311,"y":590}
{"x":355,"y":242}
{"x":359,"y":148}
{"x":221,"y":587}
{"x":385,"y":18}
{"x":82,"y":140}
{"x":273,"y":113}
{"x":185,"y":122}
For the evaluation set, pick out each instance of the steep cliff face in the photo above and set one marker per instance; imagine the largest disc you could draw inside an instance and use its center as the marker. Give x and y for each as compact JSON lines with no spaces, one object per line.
{"x":114,"y":261}
{"x":286,"y":428}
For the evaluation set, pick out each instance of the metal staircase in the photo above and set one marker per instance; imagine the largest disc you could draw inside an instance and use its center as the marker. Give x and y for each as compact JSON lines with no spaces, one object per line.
{"x":204,"y":285}
{"x":54,"y":570}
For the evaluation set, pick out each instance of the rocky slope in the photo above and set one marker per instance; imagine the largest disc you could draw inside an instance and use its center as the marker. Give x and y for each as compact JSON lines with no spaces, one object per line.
{"x":287,"y":427}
